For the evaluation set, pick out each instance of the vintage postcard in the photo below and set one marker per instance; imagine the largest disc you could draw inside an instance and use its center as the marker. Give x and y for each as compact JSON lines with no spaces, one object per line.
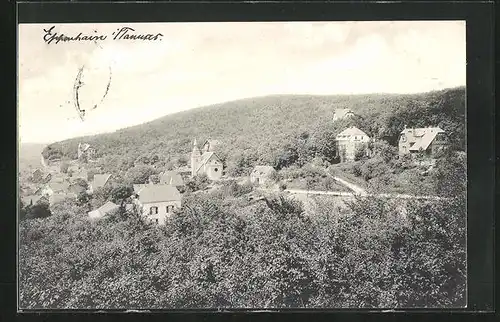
{"x":242,"y":165}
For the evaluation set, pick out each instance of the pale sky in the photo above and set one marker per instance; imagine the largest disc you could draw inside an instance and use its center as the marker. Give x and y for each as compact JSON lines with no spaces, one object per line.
{"x":197,"y":64}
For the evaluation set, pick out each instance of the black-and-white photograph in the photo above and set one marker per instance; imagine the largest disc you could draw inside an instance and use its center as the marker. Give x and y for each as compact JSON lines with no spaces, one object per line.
{"x":242,"y":165}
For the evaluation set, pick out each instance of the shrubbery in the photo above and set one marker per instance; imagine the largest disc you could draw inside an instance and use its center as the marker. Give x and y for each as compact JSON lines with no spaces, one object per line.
{"x":216,"y":254}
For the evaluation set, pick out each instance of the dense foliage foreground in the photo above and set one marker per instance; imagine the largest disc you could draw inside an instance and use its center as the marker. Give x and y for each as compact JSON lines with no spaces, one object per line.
{"x":221,"y":250}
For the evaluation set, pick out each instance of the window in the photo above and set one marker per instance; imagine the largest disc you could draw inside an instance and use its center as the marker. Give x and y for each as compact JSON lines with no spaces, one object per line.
{"x":170,"y":209}
{"x":403,"y":138}
{"x":156,"y":220}
{"x":216,"y":169}
{"x":153,"y":210}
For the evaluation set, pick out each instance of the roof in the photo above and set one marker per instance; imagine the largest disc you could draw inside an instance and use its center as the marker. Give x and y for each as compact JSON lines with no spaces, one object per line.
{"x":103,"y":210}
{"x":342,"y":112}
{"x":100,"y":180}
{"x":159,"y":193}
{"x":47,"y":178}
{"x":351,"y":131}
{"x":58,"y":197}
{"x":138,"y":187}
{"x":263,"y":170}
{"x":172,"y":178}
{"x":205,"y":157}
{"x":108,"y":207}
{"x":422,"y":137}
{"x":37,"y":170}
{"x":59,"y":186}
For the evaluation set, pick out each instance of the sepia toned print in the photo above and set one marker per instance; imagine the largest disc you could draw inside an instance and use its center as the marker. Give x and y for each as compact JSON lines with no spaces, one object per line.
{"x":242,"y":165}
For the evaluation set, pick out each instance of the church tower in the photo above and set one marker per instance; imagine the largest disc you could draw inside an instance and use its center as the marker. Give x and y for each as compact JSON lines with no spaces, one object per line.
{"x":195,"y":158}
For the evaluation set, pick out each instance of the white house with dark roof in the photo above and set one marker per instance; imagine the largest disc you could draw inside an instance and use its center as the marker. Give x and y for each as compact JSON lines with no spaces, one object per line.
{"x":349,"y":141}
{"x":207,"y":163}
{"x":157,"y":202}
{"x":428,"y":140}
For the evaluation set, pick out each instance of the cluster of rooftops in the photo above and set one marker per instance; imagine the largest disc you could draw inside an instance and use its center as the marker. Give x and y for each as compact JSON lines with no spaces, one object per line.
{"x":58,"y":186}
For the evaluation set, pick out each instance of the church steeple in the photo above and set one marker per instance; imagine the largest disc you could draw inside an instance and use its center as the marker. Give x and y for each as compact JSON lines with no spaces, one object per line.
{"x":195,"y":158}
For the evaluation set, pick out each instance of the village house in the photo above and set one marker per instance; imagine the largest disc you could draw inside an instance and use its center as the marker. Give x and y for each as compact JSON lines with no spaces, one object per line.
{"x":427,"y":140}
{"x":261,"y":174}
{"x":342,"y":113}
{"x":99,"y":181}
{"x":157,"y":202}
{"x":349,"y":142}
{"x":104,"y":210}
{"x":172,"y":178}
{"x":55,"y":187}
{"x":207,"y":163}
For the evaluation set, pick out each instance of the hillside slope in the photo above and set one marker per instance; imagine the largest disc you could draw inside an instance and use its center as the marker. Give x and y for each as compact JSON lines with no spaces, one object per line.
{"x":262,"y":126}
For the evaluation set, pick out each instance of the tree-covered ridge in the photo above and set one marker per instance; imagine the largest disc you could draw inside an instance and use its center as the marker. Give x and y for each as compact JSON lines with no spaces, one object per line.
{"x":259,"y":130}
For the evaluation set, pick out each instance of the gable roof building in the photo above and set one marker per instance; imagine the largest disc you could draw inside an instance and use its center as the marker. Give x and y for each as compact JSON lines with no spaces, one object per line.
{"x":102,"y":211}
{"x":350,"y":141}
{"x":56,"y":187}
{"x":428,"y":140}
{"x":157,"y":202}
{"x":159,"y":193}
{"x":207,"y":163}
{"x":352,"y":133}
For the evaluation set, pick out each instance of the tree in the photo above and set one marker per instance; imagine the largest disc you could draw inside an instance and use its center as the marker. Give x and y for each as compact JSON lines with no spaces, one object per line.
{"x":83,"y":199}
{"x":121,"y":193}
{"x":198,"y":182}
{"x":359,"y":153}
{"x":155,"y":178}
{"x":139,"y":174}
{"x":64,"y":167}
{"x":38,"y":210}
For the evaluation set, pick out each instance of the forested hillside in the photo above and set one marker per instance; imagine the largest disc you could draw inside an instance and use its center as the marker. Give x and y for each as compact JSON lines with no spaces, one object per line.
{"x":262,"y":130}
{"x":233,"y":246}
